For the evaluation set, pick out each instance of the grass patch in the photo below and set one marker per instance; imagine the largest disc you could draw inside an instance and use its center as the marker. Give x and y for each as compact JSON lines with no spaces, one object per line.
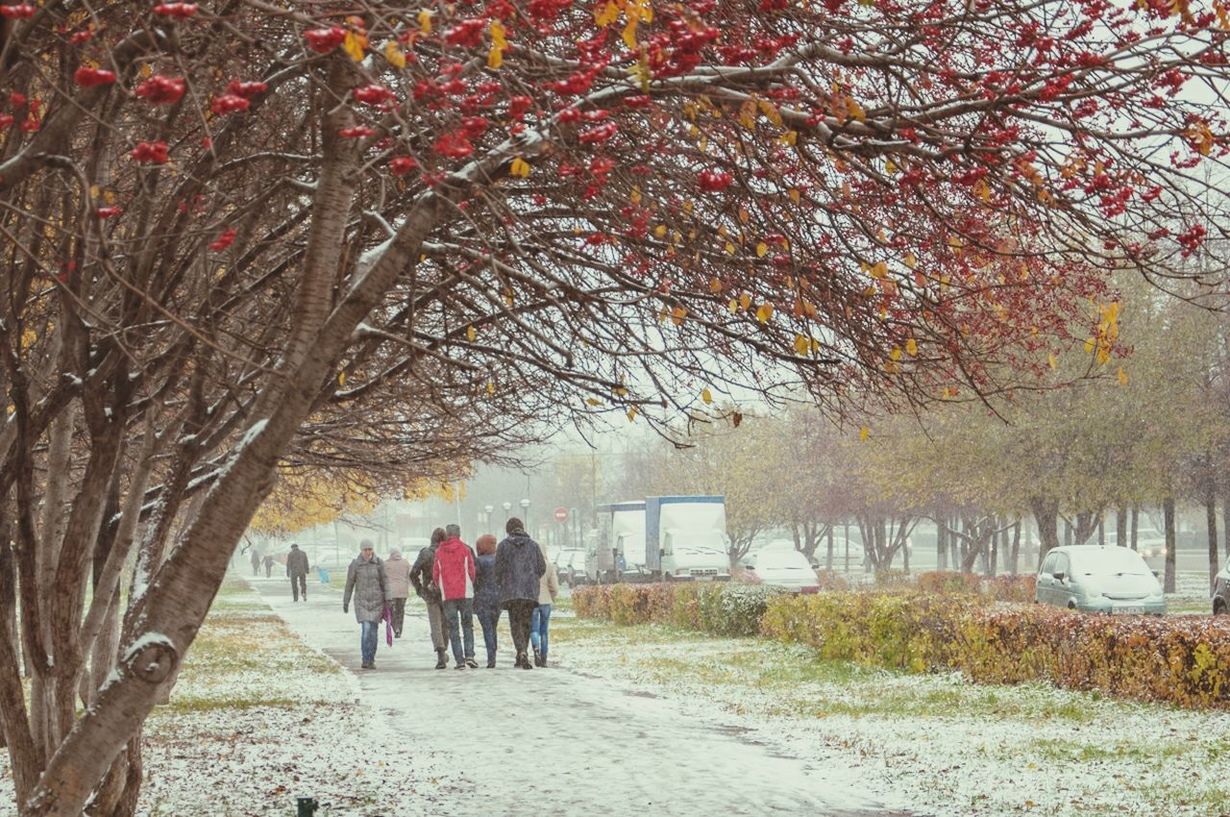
{"x":194,"y":704}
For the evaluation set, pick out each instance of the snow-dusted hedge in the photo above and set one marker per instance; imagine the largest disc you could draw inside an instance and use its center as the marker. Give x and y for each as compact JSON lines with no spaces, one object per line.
{"x":1178,"y":660}
{"x":999,"y":588}
{"x":721,"y":609}
{"x":1183,"y":661}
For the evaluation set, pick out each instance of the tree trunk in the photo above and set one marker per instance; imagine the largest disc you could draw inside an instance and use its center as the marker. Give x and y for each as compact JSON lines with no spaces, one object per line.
{"x":1102,"y":530}
{"x":1135,"y":525}
{"x":1121,"y":533}
{"x":941,"y":545}
{"x":1168,"y":516}
{"x":1016,"y":546}
{"x":828,"y":554}
{"x":1067,"y":532}
{"x":1210,"y":516}
{"x":1046,"y":514}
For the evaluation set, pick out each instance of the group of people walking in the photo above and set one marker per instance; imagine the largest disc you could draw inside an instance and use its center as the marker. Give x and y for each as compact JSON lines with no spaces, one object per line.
{"x":457,"y":584}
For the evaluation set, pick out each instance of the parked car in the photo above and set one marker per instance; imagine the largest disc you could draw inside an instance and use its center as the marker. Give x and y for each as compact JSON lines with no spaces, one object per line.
{"x":1097,"y":578}
{"x":1221,"y":591}
{"x":570,"y":564}
{"x":781,"y":567}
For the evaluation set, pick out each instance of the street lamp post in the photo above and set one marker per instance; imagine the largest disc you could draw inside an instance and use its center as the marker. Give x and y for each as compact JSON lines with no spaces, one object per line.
{"x":487,"y":520}
{"x":507,"y":510}
{"x":525,"y":513}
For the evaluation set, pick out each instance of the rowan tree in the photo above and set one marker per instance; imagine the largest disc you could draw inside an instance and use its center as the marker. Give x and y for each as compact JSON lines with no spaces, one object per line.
{"x":229,"y":221}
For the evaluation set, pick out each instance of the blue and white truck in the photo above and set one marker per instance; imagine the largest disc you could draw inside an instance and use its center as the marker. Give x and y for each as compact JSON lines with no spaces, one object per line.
{"x":618,"y":550}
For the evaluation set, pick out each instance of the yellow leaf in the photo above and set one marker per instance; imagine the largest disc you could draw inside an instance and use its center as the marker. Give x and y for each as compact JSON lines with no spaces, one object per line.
{"x":608,"y":14}
{"x":632,"y":414}
{"x":1090,"y":343}
{"x":879,"y":271}
{"x":1123,"y":377}
{"x":730,"y":248}
{"x":895,"y":353}
{"x":678,"y":314}
{"x":706,"y":396}
{"x":890,"y":167}
{"x":855,"y":110}
{"x":341,"y":378}
{"x":394,"y":55}
{"x":864,"y":433}
{"x":911,"y":260}
{"x":495,"y":57}
{"x":744,"y":216}
{"x":761,"y":249}
{"x":635,"y":195}
{"x":629,"y":34}
{"x":795,"y":195}
{"x":425,"y":21}
{"x":911,"y":347}
{"x":29,"y":337}
{"x":801,"y":345}
{"x":355,"y":45}
{"x":659,"y":231}
{"x":593,"y":401}
{"x":519,"y":168}
{"x":790,"y":137}
{"x":764,"y":312}
{"x":471,"y":333}
{"x":620,"y":391}
{"x":745,"y":300}
{"x":490,"y":388}
{"x":732,"y":305}
{"x":715,"y":285}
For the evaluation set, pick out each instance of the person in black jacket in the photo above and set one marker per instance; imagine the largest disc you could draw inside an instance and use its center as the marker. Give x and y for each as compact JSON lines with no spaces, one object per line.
{"x":425,"y":587}
{"x":519,"y":564}
{"x":297,"y":570}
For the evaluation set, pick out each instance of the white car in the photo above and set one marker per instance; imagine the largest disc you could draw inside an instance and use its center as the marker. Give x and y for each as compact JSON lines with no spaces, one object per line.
{"x":779,"y":567}
{"x":1100,"y":579}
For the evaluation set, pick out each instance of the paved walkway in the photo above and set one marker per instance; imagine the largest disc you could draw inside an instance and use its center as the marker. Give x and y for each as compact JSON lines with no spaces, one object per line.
{"x":553,"y":741}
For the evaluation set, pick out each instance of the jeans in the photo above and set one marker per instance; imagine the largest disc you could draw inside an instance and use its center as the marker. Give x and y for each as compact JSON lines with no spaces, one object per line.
{"x":298,"y":586}
{"x":538,"y":628}
{"x":489,"y":620}
{"x":520,"y":611}
{"x":368,"y":632}
{"x":399,"y":616}
{"x":465,"y":609}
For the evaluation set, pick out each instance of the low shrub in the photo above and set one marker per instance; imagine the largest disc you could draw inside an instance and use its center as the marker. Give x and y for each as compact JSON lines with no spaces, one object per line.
{"x":1178,"y":660}
{"x":948,"y":581}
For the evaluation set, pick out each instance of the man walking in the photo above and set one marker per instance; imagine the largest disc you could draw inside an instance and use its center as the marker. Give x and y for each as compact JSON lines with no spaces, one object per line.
{"x":454,"y":575}
{"x":297,"y":569}
{"x":366,"y":582}
{"x":256,"y":562}
{"x":519,"y":566}
{"x":425,"y":587}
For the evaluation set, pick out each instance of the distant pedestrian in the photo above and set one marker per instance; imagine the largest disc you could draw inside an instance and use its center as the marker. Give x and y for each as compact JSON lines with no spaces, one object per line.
{"x":425,"y":587}
{"x":519,"y":565}
{"x":487,"y":594}
{"x":256,"y":562}
{"x":297,"y":569}
{"x":268,"y":566}
{"x":366,"y":582}
{"x":454,"y":574}
{"x":397,"y":570}
{"x":548,"y":589}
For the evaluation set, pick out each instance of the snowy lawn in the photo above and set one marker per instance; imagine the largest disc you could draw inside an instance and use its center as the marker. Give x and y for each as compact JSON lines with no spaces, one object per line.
{"x":950,"y":747}
{"x":258,"y":718}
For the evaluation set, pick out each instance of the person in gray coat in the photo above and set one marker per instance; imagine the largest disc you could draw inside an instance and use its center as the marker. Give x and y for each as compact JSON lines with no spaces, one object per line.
{"x":519,"y":565}
{"x":367,"y":584}
{"x":297,"y":570}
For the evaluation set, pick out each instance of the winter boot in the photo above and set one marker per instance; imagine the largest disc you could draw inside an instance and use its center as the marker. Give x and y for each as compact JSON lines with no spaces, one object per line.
{"x":537,"y":657}
{"x":523,"y":661}
{"x":441,"y":660}
{"x":471,"y":663}
{"x":491,"y":662}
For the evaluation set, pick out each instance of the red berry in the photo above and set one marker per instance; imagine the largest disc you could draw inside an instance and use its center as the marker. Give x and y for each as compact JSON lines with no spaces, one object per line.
{"x":92,"y":77}
{"x":160,"y":90}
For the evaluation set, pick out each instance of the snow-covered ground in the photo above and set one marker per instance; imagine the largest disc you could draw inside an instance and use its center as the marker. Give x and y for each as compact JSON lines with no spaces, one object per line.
{"x":271,"y":706}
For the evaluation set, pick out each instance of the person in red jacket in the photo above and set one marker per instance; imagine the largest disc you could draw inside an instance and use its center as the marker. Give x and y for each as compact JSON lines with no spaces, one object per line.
{"x":453,"y":573}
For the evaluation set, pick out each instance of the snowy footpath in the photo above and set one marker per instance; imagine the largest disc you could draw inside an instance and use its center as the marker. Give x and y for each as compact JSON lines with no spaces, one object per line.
{"x":558,"y":740}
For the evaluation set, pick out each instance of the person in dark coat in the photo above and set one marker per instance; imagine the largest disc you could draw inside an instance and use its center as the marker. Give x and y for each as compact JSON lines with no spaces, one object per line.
{"x":256,"y":562}
{"x":297,"y":569}
{"x":268,"y":560}
{"x":519,"y":565}
{"x":425,"y":587}
{"x":367,"y":585}
{"x":487,"y":595}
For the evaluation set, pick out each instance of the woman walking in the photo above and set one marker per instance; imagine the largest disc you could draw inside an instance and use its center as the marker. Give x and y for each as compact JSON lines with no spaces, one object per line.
{"x":366,"y":583}
{"x":397,"y":571}
{"x":487,"y":594}
{"x":548,"y":589}
{"x":519,"y":565}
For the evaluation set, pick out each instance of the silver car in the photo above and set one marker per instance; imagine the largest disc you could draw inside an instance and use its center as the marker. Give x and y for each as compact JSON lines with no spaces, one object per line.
{"x":1101,"y":579}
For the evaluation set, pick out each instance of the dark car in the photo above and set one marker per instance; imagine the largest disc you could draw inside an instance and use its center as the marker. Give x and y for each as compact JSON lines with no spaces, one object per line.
{"x":1221,"y":591}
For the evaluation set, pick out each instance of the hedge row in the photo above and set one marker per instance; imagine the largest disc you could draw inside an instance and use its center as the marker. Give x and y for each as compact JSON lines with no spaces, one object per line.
{"x":1183,"y":661}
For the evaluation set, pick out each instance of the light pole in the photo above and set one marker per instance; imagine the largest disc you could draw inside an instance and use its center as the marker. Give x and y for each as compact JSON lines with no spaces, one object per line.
{"x":507,"y":510}
{"x":487,"y":521}
{"x":525,"y":513}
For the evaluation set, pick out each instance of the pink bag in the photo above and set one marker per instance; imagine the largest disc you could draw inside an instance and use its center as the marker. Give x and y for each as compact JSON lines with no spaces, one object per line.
{"x":388,"y":626}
